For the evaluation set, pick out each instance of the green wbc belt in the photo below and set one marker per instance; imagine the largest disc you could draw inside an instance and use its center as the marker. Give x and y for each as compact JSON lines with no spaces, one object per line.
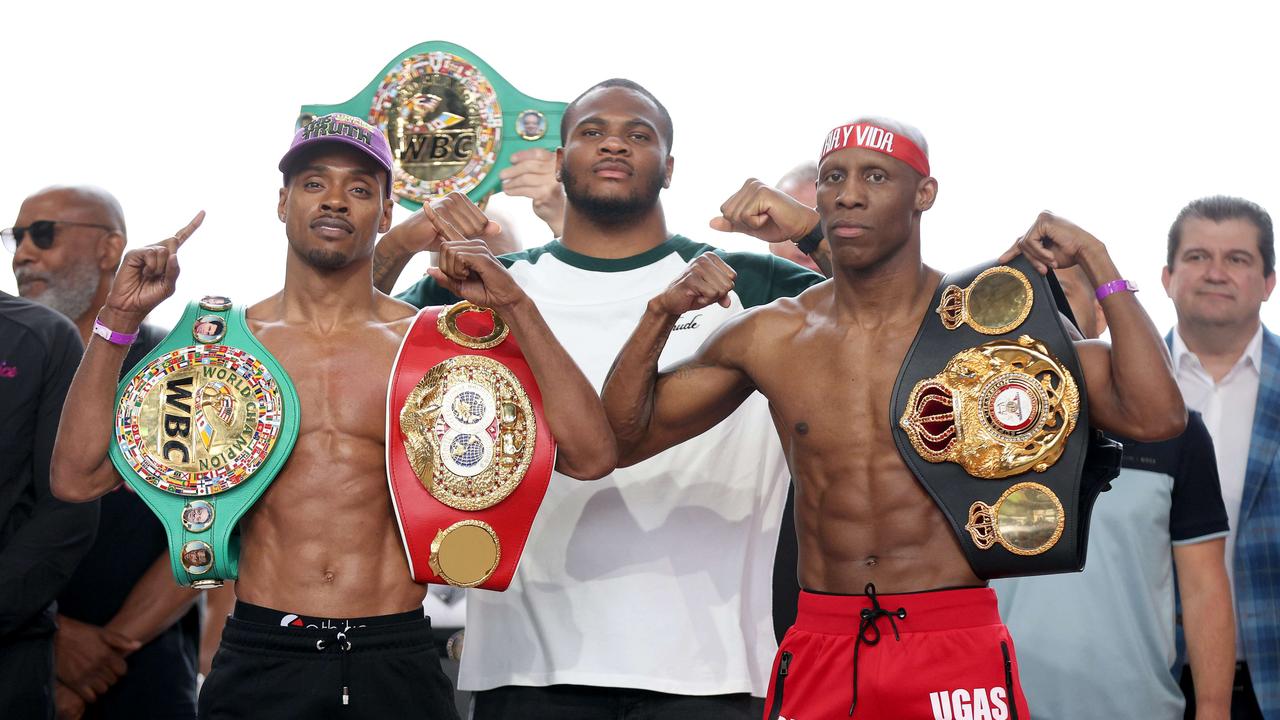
{"x":453,"y":122}
{"x":203,"y":424}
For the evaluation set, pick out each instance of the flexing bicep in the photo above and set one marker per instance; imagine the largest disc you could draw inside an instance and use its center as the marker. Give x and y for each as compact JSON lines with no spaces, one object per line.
{"x":691,"y":398}
{"x":651,"y":411}
{"x":1126,"y":402}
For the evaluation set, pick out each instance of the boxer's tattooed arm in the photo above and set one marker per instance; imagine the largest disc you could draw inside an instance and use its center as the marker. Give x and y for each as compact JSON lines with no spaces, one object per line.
{"x":388,"y":263}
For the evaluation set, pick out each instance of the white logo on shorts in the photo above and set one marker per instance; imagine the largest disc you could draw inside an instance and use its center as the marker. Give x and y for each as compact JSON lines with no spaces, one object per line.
{"x":981,"y":704}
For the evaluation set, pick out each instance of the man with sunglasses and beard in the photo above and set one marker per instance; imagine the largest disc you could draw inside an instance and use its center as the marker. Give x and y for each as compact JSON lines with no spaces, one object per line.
{"x":126,"y":644}
{"x":647,"y":593}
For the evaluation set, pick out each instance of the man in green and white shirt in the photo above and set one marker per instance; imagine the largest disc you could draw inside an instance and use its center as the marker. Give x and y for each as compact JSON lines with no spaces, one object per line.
{"x":648,"y":591}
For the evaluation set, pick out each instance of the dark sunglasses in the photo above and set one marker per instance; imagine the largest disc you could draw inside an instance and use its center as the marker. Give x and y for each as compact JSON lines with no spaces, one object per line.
{"x":41,"y":232}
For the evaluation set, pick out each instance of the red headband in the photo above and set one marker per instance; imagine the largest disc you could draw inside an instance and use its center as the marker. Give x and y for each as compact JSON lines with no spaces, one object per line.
{"x":873,"y":137}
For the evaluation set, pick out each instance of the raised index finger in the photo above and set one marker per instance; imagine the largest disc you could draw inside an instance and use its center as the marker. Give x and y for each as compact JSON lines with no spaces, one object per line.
{"x":181,"y":236}
{"x":470,"y":218}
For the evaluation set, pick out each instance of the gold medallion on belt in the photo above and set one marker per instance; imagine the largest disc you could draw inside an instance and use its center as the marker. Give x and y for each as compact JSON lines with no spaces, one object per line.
{"x":995,"y":303}
{"x":443,"y":121}
{"x":469,"y":432}
{"x":1026,"y":520}
{"x":999,"y":409}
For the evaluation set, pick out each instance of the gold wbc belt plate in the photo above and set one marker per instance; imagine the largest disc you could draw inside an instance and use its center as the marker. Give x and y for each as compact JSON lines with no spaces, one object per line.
{"x":999,"y":409}
{"x":199,"y":420}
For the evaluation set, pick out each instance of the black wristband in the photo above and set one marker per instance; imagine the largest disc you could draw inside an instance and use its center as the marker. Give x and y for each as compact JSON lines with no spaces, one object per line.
{"x":809,"y":242}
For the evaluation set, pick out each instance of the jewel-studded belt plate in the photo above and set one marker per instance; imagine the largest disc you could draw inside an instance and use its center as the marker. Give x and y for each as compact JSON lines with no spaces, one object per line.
{"x":469,"y":455}
{"x":990,"y":415}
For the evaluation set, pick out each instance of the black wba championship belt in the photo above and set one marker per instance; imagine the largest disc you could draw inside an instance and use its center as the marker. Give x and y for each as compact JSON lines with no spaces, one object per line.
{"x":991,"y":416}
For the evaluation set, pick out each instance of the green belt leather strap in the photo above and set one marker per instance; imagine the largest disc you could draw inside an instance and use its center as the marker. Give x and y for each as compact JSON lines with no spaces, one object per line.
{"x":203,"y":425}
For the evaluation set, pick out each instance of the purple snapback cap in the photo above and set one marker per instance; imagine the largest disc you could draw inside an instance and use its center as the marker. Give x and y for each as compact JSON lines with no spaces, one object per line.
{"x":343,"y":128}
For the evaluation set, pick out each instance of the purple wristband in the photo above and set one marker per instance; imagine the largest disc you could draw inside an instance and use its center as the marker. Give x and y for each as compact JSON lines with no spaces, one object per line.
{"x":111,"y":336}
{"x":1114,"y":286}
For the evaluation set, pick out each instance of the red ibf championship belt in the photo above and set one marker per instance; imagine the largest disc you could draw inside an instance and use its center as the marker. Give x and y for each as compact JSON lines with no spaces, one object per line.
{"x":469,"y":453}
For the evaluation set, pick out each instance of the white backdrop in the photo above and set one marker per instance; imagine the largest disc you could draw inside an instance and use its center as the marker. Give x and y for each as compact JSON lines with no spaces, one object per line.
{"x":1111,"y":114}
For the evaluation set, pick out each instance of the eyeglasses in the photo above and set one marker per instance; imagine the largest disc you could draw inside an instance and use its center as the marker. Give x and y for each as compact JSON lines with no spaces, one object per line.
{"x":41,"y":232}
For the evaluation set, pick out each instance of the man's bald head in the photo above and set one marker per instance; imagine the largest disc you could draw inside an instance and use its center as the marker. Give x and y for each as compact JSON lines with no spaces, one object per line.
{"x":800,"y":177}
{"x":73,"y":274}
{"x":88,"y":203}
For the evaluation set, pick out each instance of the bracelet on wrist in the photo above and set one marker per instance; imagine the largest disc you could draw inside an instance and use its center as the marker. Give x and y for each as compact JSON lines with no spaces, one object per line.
{"x":111,"y":336}
{"x":1115,"y":286}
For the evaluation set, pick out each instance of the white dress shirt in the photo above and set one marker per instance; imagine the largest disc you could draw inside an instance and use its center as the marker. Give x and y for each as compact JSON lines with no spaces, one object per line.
{"x":1227,"y":407}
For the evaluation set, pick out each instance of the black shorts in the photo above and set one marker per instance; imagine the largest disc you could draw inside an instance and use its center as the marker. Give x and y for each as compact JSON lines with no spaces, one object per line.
{"x":383,"y":667}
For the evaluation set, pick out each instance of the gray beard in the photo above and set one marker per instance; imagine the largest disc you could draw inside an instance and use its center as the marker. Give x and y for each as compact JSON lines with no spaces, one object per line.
{"x":70,"y":292}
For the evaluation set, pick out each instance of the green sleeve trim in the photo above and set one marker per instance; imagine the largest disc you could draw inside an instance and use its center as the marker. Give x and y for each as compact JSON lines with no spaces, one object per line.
{"x":595,"y":264}
{"x":426,"y":293}
{"x":762,"y":277}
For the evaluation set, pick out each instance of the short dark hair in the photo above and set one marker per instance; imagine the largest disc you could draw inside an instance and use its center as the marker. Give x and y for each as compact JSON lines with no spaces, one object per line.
{"x":666,"y":127}
{"x":1220,"y":208}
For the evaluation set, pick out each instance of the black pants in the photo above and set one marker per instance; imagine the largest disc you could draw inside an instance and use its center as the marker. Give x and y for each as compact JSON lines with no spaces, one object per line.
{"x":26,"y":678}
{"x":1244,"y":704}
{"x":577,"y":702}
{"x":268,"y":671}
{"x":160,"y":683}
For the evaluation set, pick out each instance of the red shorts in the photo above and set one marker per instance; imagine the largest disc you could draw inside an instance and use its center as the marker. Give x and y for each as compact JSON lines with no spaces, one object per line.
{"x":939,"y":655}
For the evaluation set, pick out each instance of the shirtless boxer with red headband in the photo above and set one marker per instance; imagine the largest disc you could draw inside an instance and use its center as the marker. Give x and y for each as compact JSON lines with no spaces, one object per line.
{"x":895,"y":624}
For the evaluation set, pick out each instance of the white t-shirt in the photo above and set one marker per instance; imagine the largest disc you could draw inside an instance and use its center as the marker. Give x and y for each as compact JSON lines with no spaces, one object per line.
{"x":1227,"y":407}
{"x":658,"y":576}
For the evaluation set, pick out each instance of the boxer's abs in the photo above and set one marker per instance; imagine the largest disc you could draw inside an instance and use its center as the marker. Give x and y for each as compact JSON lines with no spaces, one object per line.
{"x":883,"y":529}
{"x":323,"y":540}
